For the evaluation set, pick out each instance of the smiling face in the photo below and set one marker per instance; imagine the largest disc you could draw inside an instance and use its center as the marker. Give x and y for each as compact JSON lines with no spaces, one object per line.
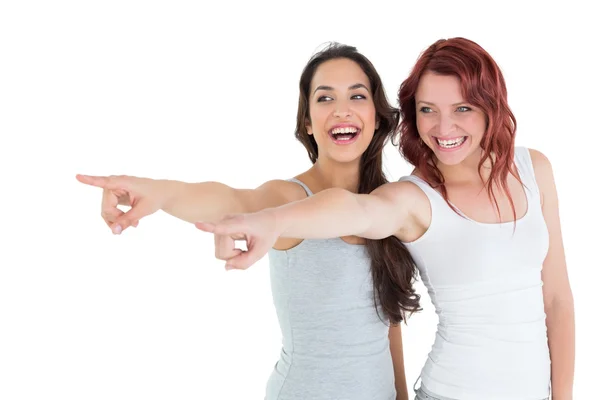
{"x":447,"y":124}
{"x":342,"y":112}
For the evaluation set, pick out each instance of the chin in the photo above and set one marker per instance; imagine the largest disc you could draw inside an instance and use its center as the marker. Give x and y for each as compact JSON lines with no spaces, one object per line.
{"x":449,"y":161}
{"x":451,"y":157}
{"x":353,"y":155}
{"x":347,"y":159}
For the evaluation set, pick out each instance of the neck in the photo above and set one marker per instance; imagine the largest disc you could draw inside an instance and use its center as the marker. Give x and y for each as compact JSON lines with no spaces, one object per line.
{"x":331,"y":174}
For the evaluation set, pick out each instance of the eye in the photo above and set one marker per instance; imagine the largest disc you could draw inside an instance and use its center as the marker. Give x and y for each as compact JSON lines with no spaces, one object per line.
{"x":323,"y":98}
{"x":463,"y":109}
{"x":358,"y":97}
{"x":426,"y":110}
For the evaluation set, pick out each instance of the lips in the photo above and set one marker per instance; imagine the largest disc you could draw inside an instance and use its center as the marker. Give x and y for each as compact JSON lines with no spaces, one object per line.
{"x":450,"y":143}
{"x":344,"y":133}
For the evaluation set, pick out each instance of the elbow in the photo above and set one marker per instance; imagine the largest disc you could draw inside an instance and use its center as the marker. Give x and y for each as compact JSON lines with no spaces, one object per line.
{"x":560,"y":303}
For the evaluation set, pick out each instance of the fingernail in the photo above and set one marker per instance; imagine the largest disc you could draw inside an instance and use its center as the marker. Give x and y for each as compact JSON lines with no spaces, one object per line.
{"x":117,"y":229}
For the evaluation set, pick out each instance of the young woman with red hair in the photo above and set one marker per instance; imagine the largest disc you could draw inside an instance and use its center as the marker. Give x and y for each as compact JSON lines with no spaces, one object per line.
{"x":480,"y":218}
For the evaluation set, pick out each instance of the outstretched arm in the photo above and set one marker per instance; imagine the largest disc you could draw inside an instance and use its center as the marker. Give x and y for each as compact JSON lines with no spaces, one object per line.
{"x":191,"y":202}
{"x":338,"y":212}
{"x":331,"y":213}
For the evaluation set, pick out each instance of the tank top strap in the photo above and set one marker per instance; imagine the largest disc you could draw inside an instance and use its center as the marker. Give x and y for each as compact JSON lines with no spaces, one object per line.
{"x":434,"y":196}
{"x":526,"y":171}
{"x":441,"y":213}
{"x":304,"y":186}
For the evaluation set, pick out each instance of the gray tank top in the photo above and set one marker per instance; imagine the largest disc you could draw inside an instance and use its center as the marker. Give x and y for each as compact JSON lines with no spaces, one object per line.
{"x":334,"y":344}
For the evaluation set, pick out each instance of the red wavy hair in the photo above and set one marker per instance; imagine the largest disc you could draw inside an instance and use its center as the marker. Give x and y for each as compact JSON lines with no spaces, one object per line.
{"x":482,"y":85}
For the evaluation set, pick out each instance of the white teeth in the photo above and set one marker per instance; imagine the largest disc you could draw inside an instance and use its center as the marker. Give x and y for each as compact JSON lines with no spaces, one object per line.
{"x":451,"y":143}
{"x":348,"y":129}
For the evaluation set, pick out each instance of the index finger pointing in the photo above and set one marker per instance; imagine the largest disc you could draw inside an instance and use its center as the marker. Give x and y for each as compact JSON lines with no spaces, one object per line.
{"x":105,"y":182}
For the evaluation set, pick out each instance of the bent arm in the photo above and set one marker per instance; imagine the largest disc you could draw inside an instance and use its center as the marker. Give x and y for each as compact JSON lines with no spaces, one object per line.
{"x":558,"y":298}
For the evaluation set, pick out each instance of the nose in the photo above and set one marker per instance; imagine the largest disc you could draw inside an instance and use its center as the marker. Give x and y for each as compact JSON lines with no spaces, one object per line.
{"x":342,"y":110}
{"x":446,"y":126}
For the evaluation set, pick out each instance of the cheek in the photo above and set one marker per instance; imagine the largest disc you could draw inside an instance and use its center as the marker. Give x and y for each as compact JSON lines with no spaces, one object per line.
{"x":372,"y":112}
{"x":368,"y":115}
{"x":424,"y":125}
{"x":318,"y":117}
{"x":366,"y":120}
{"x":371,"y":124}
{"x":476,"y":126}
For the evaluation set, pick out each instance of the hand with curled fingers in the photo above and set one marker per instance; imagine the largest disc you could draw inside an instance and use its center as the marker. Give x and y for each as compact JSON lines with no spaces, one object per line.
{"x":144,"y":196}
{"x":258,"y":230}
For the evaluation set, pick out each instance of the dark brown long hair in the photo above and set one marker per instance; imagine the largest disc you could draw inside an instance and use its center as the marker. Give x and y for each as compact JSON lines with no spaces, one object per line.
{"x":483,"y":85}
{"x":392,"y":267}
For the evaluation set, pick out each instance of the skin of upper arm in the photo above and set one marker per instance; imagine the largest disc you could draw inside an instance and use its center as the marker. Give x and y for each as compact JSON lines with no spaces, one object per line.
{"x":395,"y":209}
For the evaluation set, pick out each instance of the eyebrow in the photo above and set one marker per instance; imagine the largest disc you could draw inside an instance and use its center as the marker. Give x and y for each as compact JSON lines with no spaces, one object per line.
{"x":432,"y":104}
{"x":355,"y":86}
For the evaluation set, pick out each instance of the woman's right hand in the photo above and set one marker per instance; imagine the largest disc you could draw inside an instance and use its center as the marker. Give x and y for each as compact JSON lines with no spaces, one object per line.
{"x":144,"y":196}
{"x":258,"y":230}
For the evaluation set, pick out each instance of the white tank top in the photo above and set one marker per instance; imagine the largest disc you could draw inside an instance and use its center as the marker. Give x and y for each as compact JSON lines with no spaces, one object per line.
{"x":485,"y":283}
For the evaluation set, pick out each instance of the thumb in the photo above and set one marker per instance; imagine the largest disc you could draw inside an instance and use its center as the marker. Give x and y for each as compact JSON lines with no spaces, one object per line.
{"x":205,"y":226}
{"x":245,"y":259}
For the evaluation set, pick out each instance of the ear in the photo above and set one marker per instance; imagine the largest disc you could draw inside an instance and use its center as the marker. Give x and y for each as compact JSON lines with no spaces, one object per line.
{"x":308,"y":126}
{"x":377,"y":124}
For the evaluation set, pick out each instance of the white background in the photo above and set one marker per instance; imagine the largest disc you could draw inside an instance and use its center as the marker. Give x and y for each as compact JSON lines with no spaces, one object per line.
{"x":197,"y":92}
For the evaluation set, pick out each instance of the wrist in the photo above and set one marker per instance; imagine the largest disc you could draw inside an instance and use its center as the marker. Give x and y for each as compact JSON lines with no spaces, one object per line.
{"x":277,"y":220}
{"x":168,"y":191}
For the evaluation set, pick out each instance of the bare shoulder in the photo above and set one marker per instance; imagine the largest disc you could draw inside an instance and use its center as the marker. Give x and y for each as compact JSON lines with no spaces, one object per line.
{"x":412,"y":206}
{"x":541,"y":166}
{"x":404,"y":191}
{"x":540,"y":161}
{"x":544,"y":175}
{"x":411,"y":197}
{"x":270,"y":194}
